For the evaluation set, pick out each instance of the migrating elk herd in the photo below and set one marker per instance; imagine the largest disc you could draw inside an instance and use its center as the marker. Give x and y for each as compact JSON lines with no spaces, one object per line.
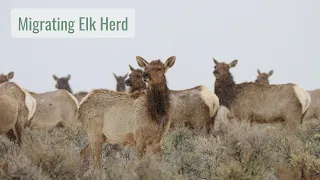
{"x":143,"y":114}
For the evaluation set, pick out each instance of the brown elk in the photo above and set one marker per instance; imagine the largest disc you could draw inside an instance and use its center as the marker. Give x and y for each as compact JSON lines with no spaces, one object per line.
{"x":313,"y":110}
{"x":195,"y":108}
{"x":260,"y":103}
{"x":17,"y":107}
{"x":135,"y":81}
{"x":119,"y":118}
{"x":54,"y":108}
{"x":263,"y":78}
{"x":63,"y":83}
{"x":121,"y":86}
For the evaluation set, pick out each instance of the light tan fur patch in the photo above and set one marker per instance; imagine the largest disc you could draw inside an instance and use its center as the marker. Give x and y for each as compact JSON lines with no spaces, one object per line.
{"x":74,"y":99}
{"x":31,"y":103}
{"x":303,"y":96}
{"x":211,"y":100}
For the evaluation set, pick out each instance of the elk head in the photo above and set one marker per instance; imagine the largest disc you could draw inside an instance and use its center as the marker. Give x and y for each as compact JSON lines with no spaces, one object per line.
{"x":263,"y":78}
{"x":121,"y":86}
{"x":62,"y":83}
{"x":154,"y":72}
{"x":221,"y":69}
{"x":135,"y":80}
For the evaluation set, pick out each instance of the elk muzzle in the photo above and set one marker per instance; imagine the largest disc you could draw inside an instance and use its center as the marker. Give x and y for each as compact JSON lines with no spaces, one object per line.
{"x":128,"y":82}
{"x":146,"y":76}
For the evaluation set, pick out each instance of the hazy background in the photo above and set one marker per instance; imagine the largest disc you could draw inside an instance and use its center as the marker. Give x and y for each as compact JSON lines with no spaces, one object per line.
{"x":271,"y":34}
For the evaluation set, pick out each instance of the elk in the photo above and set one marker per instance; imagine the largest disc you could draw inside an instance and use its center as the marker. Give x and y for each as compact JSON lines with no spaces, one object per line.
{"x":63,"y":83}
{"x":17,"y":107}
{"x":263,"y":78}
{"x":313,"y":110}
{"x":121,"y":86}
{"x":260,"y":103}
{"x":54,"y":109}
{"x":135,"y":81}
{"x":195,"y":108}
{"x":123,"y":119}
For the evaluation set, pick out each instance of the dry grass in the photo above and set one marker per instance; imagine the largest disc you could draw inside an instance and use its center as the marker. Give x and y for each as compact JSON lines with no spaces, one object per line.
{"x":233,"y":151}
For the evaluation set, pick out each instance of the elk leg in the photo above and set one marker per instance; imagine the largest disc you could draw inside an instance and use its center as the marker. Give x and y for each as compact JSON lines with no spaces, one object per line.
{"x":96,"y":147}
{"x":156,"y":149}
{"x":19,"y":129}
{"x":85,"y":153}
{"x":141,"y":148}
{"x":303,"y":116}
{"x":291,"y":120}
{"x":11,"y":135}
{"x":60,"y":125}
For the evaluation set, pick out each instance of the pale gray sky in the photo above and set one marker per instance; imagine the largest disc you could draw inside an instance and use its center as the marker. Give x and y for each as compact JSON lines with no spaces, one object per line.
{"x":266,"y":34}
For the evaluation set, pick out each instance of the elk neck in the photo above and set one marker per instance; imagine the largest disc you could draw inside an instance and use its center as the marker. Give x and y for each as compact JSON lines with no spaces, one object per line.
{"x":158,"y":102}
{"x":225,"y":89}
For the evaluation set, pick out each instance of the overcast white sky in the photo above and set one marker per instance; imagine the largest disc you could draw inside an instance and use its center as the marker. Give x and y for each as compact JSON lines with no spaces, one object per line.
{"x":267,"y":34}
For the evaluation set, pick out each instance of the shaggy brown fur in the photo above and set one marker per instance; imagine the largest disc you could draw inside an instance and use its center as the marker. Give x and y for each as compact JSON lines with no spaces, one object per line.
{"x":260,"y":103}
{"x":118,"y":118}
{"x":188,"y":107}
{"x":157,"y":93}
{"x":263,"y":78}
{"x":121,"y":86}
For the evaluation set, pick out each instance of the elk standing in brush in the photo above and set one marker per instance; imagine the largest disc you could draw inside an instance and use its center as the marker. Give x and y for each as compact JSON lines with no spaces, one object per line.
{"x":195,"y":108}
{"x":17,"y":107}
{"x":314,"y":108}
{"x":260,"y":103}
{"x":119,"y":118}
{"x":54,"y":108}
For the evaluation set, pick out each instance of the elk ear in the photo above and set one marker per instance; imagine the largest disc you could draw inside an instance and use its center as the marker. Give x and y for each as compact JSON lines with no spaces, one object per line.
{"x":10,"y":75}
{"x":233,"y":63}
{"x":131,"y":68}
{"x":55,"y":77}
{"x":68,"y":77}
{"x":125,"y":76}
{"x":169,"y":63}
{"x":142,"y":62}
{"x":259,"y":71}
{"x":270,"y":73}
{"x":215,"y":61}
{"x":115,"y":76}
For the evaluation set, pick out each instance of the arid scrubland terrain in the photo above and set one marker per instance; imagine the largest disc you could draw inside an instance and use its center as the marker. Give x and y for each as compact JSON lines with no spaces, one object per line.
{"x":233,"y":151}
